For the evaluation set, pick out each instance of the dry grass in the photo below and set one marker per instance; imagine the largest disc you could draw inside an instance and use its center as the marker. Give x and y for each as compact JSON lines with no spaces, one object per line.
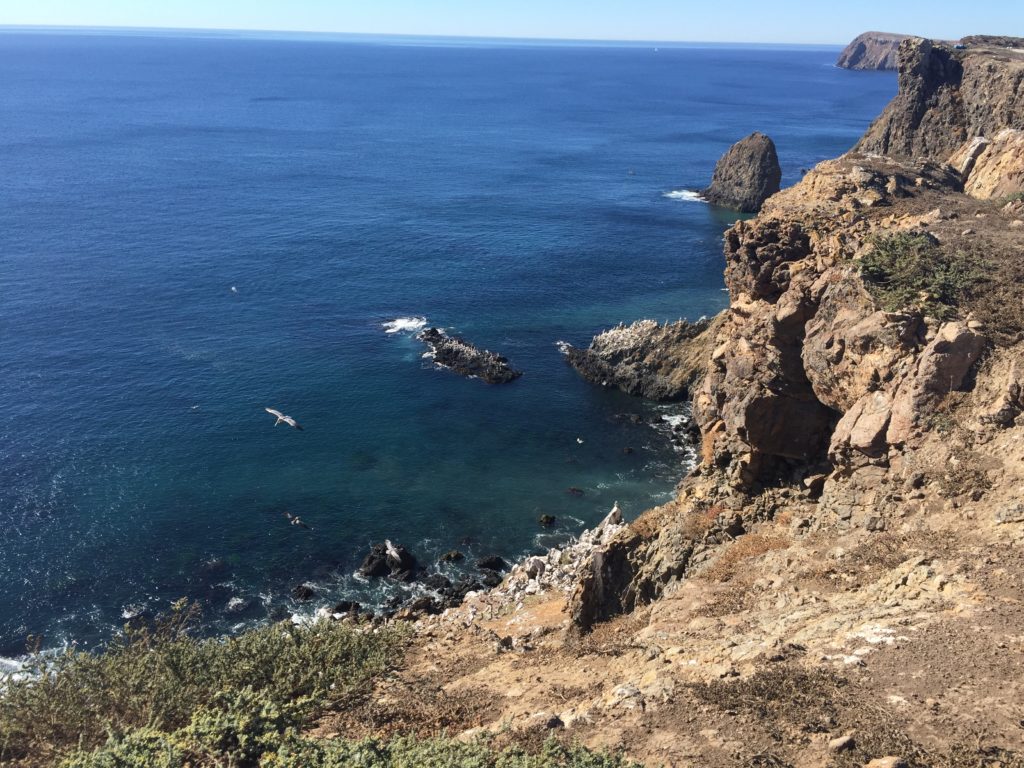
{"x":745,"y":548}
{"x":698,"y":521}
{"x":965,"y":477}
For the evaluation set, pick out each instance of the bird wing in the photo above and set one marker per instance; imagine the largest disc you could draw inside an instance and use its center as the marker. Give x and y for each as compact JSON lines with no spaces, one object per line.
{"x":272,"y":412}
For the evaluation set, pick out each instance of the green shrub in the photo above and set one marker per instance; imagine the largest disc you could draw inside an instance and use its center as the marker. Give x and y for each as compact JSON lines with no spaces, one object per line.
{"x":143,"y":748}
{"x":242,"y":725}
{"x":161,"y":677}
{"x":438,"y":752}
{"x":908,"y":271}
{"x":152,"y":749}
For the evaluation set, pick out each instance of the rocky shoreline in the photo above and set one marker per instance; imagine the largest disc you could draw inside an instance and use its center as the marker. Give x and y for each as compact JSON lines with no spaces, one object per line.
{"x":658,"y":362}
{"x":836,"y":582}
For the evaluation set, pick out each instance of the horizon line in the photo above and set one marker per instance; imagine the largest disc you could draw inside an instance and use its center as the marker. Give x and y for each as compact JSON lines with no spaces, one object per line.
{"x":420,"y":35}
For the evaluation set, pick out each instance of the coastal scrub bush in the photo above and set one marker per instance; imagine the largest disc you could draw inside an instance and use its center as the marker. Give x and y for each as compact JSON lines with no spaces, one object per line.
{"x":154,"y":750}
{"x":160,"y":677}
{"x":911,"y":271}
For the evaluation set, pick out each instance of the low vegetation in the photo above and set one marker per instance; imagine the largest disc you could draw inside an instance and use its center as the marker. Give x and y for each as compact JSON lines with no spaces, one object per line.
{"x":160,"y":698}
{"x":224,"y":694}
{"x":906,"y":271}
{"x":150,"y":748}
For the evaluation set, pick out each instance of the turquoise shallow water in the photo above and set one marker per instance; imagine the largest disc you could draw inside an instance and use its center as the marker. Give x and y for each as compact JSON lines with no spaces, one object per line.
{"x":513,"y":194}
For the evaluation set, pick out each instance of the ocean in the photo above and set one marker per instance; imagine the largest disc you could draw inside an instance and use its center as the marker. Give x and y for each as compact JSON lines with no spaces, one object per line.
{"x":196,"y":227}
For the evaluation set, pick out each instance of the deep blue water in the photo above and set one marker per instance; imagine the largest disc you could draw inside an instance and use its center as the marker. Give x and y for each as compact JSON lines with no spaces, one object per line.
{"x":514,"y":194}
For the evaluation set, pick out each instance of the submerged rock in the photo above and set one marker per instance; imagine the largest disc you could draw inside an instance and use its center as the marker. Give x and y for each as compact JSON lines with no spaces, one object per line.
{"x":468,"y":360}
{"x":492,"y":563}
{"x":746,"y":175}
{"x":303,"y":592}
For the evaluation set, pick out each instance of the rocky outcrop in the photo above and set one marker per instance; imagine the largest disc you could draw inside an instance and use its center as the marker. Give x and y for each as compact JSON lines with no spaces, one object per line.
{"x":647,"y":359}
{"x":746,"y":175}
{"x":462,"y":357}
{"x":949,"y":96}
{"x":940,"y":370}
{"x":871,"y":51}
{"x":927,"y":117}
{"x":389,"y":560}
{"x":993,"y":169}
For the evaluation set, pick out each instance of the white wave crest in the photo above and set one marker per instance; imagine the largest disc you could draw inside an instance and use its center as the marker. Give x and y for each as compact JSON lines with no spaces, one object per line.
{"x":404,"y":325}
{"x":687,"y":195}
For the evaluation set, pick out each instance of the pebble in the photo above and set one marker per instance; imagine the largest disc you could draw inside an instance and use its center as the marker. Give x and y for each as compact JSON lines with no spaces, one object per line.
{"x":841,"y":743}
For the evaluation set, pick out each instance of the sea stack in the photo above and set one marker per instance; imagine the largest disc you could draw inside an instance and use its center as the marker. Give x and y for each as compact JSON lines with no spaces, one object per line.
{"x":871,"y":51}
{"x":746,"y":175}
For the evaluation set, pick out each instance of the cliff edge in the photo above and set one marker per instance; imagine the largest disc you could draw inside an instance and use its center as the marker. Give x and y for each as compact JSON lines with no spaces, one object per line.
{"x":838,"y":582}
{"x":965,"y":102}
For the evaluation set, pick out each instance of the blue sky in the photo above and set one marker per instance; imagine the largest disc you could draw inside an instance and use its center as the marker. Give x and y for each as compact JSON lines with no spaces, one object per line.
{"x":703,"y":20}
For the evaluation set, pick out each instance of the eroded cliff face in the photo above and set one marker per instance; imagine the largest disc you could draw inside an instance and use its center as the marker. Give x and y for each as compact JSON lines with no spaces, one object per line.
{"x":959,"y":106}
{"x":812,"y":385}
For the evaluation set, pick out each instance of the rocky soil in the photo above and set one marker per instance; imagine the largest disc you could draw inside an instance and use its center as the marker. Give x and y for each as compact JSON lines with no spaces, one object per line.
{"x":840,"y":582}
{"x":746,"y":175}
{"x":871,"y":51}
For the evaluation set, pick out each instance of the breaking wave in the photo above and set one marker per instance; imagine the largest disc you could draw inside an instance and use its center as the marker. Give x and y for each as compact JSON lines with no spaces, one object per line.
{"x":404,"y":325}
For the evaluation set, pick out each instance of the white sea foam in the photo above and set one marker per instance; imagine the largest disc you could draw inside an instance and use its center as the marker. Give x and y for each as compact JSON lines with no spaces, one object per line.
{"x":405,"y":325}
{"x":563,"y":347}
{"x":687,"y":195}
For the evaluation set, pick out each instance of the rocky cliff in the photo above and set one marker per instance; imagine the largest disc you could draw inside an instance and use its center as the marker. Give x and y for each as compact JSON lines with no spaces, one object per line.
{"x":951,"y":101}
{"x":838,"y":582}
{"x":871,"y":50}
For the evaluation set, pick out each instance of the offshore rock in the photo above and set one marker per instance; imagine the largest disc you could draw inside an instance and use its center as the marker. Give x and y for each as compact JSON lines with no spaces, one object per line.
{"x":746,"y":175}
{"x":389,"y":560}
{"x":871,"y":51}
{"x":464,"y":358}
{"x":647,"y":359}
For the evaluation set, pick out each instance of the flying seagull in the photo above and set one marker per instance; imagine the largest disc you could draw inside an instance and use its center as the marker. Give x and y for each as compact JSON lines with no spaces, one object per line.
{"x":296,"y":520}
{"x":281,"y":418}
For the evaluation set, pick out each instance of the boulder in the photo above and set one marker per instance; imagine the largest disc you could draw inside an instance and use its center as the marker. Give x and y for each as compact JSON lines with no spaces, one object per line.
{"x":492,"y":563}
{"x":746,"y":175}
{"x":303,"y":592}
{"x":863,"y":427}
{"x":941,"y":369}
{"x":389,"y":560}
